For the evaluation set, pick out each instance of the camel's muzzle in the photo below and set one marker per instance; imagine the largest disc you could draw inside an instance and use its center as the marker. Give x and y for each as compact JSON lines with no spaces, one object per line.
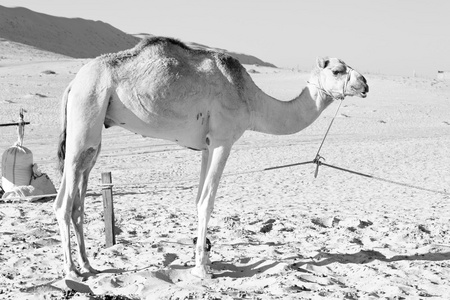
{"x":362,"y":88}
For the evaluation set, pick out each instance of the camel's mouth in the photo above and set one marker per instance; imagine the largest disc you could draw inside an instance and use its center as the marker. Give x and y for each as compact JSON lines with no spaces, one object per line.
{"x":362,"y":94}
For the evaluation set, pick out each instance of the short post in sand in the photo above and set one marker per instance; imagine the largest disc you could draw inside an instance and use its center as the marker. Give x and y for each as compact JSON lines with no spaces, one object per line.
{"x":108,"y":209}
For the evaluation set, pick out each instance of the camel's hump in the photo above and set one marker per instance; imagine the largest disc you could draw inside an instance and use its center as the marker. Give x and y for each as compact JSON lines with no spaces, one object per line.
{"x":229,"y":65}
{"x":115,"y":59}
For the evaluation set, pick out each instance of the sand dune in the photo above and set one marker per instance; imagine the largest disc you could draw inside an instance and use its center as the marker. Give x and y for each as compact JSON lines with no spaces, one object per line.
{"x":77,"y":38}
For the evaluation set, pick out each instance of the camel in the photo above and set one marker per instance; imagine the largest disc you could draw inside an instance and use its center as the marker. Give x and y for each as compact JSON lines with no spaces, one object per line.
{"x":202,"y":100}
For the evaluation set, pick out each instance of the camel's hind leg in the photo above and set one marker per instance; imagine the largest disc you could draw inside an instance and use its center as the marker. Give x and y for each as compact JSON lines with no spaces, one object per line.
{"x":69,"y":207}
{"x":86,"y":102}
{"x":78,"y":219}
{"x":63,"y":209}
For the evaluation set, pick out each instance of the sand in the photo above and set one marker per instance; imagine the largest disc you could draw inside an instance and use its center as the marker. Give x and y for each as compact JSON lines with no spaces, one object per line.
{"x":278,"y":234}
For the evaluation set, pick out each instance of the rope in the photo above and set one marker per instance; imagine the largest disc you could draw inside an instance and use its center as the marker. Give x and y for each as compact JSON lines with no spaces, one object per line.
{"x":13,"y":124}
{"x":326,"y":133}
{"x":320,"y":163}
{"x":385,"y":180}
{"x":287,"y":166}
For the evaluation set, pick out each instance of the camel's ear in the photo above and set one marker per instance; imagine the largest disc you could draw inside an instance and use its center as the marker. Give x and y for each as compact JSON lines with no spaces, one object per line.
{"x":322,"y":62}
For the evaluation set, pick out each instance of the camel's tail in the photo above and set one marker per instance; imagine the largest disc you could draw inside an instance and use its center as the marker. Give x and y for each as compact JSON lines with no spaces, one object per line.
{"x":62,"y":136}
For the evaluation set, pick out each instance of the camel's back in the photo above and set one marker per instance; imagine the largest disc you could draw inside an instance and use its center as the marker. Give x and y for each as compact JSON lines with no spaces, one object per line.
{"x":120,"y":58}
{"x":171,"y":61}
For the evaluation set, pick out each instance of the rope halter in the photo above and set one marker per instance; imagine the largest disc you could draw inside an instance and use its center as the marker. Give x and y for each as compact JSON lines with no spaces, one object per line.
{"x":320,"y":87}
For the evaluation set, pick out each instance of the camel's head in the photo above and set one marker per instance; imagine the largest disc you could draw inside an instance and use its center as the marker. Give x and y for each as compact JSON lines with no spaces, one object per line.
{"x":338,"y":79}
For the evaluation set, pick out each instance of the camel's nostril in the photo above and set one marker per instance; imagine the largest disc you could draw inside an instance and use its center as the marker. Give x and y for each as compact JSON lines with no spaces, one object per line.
{"x":367,"y":88}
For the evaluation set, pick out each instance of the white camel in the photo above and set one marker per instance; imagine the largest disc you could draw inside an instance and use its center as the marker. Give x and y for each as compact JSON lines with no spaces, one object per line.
{"x":202,"y":100}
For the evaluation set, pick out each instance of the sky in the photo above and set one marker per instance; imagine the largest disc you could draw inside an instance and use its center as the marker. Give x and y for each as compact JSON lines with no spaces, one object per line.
{"x":398,"y":37}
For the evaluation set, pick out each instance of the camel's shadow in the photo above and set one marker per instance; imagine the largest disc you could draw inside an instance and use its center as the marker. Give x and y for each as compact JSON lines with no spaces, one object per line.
{"x":248,"y":267}
{"x":230,"y":270}
{"x":366,"y":256}
{"x":179,"y":276}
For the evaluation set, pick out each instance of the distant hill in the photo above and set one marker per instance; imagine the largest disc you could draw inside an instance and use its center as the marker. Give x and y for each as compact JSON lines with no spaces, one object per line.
{"x":78,"y":38}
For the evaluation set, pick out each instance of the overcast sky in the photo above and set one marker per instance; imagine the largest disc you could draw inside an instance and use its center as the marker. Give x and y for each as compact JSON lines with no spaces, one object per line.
{"x":380,"y":36}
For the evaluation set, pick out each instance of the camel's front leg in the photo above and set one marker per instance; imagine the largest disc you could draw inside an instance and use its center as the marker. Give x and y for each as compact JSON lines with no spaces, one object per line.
{"x":216,"y":163}
{"x":203,"y":170}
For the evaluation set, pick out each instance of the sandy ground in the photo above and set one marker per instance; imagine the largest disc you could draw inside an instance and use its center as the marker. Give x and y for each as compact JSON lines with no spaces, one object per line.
{"x":277,"y":234}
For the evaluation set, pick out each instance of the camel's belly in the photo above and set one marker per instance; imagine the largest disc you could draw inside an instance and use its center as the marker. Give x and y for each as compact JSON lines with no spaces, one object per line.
{"x":187,"y":127}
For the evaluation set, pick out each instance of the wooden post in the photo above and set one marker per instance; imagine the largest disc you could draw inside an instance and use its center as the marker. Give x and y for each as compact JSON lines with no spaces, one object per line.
{"x":108,"y":209}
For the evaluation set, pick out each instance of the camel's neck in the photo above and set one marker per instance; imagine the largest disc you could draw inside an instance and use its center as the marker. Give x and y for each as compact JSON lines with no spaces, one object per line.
{"x":273,"y":116}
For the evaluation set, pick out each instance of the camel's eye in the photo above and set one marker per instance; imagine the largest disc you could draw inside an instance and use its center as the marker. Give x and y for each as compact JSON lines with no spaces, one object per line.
{"x":337,"y":71}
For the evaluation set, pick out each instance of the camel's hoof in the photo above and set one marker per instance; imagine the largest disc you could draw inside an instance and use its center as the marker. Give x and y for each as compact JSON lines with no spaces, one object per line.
{"x":201,"y":272}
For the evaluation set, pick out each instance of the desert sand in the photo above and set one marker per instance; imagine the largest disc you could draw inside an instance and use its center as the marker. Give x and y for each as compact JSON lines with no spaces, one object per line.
{"x":278,"y":234}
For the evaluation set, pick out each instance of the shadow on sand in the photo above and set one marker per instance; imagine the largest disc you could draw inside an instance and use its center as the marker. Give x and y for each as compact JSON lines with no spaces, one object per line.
{"x":244,"y":268}
{"x":233,"y":270}
{"x":230,"y":270}
{"x":366,"y":256}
